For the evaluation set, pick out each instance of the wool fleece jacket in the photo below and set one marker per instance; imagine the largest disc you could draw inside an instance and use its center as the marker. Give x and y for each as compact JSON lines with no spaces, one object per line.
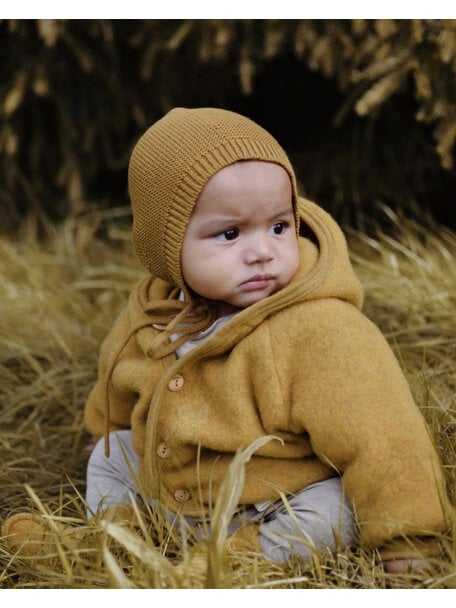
{"x":304,"y":365}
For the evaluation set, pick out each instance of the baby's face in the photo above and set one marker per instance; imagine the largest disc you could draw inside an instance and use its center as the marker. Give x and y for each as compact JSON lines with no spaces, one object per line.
{"x":240,"y":245}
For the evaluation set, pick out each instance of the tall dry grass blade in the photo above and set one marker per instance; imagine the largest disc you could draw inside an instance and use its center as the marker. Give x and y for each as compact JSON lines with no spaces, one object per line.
{"x":227,"y":502}
{"x":118,"y":578}
{"x":146,"y":553}
{"x":57,"y":531}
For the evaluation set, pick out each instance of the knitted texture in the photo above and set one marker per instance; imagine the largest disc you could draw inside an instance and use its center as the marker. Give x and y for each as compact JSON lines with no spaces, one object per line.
{"x":169,"y":167}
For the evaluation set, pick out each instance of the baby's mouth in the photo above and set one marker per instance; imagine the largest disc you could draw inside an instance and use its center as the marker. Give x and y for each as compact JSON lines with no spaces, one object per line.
{"x":257,"y":281}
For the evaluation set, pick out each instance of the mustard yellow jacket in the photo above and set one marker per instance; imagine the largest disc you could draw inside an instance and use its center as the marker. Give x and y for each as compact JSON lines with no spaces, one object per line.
{"x":304,"y":365}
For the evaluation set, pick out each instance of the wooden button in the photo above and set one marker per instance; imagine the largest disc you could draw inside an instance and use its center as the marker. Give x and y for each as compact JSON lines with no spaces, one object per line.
{"x":176,"y":383}
{"x":162,"y":450}
{"x":181,"y":495}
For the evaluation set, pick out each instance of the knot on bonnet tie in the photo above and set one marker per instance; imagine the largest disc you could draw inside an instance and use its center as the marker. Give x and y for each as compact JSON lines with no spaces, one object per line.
{"x":169,"y":317}
{"x":176,"y":317}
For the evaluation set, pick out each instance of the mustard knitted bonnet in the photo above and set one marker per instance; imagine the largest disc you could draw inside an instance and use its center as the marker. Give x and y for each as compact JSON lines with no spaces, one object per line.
{"x":170,"y":165}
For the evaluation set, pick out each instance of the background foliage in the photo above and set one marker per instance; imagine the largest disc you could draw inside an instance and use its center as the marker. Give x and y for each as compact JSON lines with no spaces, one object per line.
{"x":366,"y":108}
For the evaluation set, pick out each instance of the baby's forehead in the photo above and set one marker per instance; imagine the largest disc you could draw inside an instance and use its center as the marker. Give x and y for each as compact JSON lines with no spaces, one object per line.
{"x":241,"y":188}
{"x":249,"y":172}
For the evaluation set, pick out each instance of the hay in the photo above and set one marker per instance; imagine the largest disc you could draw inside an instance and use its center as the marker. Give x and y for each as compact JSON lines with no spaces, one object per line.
{"x":59,"y":295}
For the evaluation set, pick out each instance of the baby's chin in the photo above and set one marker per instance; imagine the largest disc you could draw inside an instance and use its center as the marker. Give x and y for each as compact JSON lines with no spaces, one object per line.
{"x":227,"y":308}
{"x":223,"y":308}
{"x":247,"y":303}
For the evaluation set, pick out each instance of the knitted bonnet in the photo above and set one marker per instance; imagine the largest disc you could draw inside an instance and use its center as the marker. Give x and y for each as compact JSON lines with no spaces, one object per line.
{"x":170,"y":165}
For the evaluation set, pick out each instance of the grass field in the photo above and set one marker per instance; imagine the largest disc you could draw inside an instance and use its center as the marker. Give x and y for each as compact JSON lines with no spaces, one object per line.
{"x":59,"y":295}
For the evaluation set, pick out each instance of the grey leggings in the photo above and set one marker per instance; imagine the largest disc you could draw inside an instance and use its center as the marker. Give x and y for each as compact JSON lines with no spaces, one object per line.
{"x":315,"y":518}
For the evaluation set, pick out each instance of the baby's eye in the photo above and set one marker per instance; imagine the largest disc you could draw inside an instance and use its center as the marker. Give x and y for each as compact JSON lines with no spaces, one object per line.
{"x":229,"y":235}
{"x":279,"y":227}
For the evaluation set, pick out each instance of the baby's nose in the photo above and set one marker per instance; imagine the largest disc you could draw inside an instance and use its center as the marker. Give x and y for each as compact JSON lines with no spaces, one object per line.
{"x":258,"y":249}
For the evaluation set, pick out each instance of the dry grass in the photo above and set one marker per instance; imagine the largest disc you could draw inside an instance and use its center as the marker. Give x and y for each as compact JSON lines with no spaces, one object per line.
{"x":59,"y":295}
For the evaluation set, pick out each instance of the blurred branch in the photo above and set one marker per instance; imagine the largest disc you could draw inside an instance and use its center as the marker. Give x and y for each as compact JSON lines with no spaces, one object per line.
{"x":75,"y":95}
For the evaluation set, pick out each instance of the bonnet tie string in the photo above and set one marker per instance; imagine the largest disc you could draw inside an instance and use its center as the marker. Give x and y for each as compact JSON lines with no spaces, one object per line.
{"x":169,"y":317}
{"x":176,"y":317}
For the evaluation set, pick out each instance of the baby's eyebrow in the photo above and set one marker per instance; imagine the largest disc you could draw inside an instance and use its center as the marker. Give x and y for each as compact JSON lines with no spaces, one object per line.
{"x":216,"y":222}
{"x":284,"y":213}
{"x":221,"y":220}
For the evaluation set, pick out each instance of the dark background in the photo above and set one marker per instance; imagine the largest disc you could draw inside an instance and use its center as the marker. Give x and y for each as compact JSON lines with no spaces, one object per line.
{"x":366,"y":109}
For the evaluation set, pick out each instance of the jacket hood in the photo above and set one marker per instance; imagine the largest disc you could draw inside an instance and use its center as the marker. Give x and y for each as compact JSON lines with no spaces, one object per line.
{"x":333,"y":275}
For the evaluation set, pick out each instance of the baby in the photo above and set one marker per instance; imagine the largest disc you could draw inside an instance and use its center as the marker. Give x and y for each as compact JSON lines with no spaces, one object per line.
{"x":249,"y":324}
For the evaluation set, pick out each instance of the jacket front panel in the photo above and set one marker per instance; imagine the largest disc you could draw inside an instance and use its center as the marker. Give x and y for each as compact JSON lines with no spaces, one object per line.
{"x":206,"y":409}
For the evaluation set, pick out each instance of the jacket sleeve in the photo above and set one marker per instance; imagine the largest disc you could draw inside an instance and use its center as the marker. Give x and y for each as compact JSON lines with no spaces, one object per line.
{"x":350,"y":395}
{"x":106,"y":392}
